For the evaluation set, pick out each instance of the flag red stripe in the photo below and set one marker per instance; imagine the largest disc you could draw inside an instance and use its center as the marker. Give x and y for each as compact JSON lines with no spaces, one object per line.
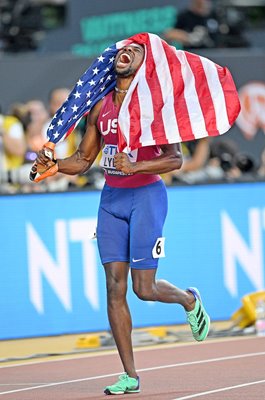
{"x":180,"y":105}
{"x":204,"y":94}
{"x":230,"y":93}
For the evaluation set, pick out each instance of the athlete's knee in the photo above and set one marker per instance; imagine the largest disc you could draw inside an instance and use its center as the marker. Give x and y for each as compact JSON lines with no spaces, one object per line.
{"x":146,"y":293}
{"x":116,"y":291}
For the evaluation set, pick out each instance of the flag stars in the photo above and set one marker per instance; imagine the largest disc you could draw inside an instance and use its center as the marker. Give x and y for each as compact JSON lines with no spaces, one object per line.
{"x":77,"y":95}
{"x":90,"y":87}
{"x":74,"y":108}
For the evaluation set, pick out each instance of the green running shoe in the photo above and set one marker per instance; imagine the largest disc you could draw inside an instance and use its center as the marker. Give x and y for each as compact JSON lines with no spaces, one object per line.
{"x":125,"y":384}
{"x":198,"y":319}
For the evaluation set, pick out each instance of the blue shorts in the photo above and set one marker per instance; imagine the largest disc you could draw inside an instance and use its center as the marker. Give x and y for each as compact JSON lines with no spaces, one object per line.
{"x":130,"y":224}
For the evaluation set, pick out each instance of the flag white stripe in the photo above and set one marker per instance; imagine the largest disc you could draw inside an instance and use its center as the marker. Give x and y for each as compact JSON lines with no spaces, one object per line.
{"x":166,"y":84}
{"x":217,"y":95}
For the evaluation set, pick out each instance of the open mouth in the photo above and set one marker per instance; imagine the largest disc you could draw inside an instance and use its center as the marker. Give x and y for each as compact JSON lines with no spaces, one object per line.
{"x":123,"y":60}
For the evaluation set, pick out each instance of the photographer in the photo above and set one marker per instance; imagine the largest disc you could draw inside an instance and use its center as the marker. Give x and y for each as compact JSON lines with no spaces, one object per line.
{"x":196,"y":27}
{"x":203,"y":26}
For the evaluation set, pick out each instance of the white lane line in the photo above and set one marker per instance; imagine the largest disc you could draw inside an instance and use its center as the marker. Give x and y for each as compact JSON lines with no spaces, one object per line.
{"x":60,"y":383}
{"x":192,"y":396}
{"x":23,"y":384}
{"x":104,"y":353}
{"x":211,"y":360}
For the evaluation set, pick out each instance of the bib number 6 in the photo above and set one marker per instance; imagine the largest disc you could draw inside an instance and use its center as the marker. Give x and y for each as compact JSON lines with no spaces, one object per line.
{"x":159,"y":248}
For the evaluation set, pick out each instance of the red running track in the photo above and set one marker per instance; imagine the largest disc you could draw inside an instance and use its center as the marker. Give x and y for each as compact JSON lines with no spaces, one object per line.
{"x":224,"y":369}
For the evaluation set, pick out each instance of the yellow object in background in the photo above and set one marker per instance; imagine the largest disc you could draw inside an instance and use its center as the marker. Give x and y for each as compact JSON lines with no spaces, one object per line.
{"x":246,"y":315}
{"x":88,"y":341}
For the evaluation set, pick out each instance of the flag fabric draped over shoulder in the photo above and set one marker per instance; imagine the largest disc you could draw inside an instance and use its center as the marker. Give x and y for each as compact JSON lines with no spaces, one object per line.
{"x":175,"y":96}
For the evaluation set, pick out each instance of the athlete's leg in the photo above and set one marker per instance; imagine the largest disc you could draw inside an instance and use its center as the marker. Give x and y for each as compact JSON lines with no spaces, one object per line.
{"x":146,"y":287}
{"x":119,"y":313}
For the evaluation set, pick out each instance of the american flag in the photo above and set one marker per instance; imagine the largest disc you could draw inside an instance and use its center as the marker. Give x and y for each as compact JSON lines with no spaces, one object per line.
{"x":175,"y":96}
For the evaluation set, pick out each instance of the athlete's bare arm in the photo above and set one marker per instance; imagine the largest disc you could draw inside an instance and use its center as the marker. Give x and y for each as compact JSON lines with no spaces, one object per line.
{"x":169,"y":160}
{"x":87,"y":151}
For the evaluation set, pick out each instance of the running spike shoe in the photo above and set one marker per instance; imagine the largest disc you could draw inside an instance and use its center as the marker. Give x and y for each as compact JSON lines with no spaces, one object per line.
{"x":198,"y":318}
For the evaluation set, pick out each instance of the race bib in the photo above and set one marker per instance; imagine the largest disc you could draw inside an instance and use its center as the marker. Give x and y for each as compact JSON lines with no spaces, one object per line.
{"x":107,"y":159}
{"x":159,"y":248}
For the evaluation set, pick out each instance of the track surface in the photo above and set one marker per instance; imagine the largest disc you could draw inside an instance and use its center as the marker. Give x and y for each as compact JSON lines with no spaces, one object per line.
{"x":224,"y":369}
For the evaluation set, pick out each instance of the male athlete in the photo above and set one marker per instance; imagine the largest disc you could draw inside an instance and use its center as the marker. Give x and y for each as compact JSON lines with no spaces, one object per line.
{"x":131,"y":216}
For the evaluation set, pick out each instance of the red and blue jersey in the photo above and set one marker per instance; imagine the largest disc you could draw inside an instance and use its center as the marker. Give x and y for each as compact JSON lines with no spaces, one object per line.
{"x":107,"y":125}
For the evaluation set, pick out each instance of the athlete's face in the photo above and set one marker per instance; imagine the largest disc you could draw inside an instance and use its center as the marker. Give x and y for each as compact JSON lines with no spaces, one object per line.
{"x":128,"y":60}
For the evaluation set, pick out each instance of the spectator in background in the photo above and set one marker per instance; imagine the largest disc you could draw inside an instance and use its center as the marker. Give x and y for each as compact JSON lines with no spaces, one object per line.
{"x":56,"y":98}
{"x":12,"y":144}
{"x":13,"y":138}
{"x":65,"y":148}
{"x":38,"y":116}
{"x":204,"y":26}
{"x":195,"y":27}
{"x":222,"y":160}
{"x":228,"y":163}
{"x":195,"y":157}
{"x":207,"y":160}
{"x":31,"y":118}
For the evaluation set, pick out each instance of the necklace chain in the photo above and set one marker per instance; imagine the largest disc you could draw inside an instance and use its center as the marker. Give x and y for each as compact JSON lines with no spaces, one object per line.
{"x":120,"y":90}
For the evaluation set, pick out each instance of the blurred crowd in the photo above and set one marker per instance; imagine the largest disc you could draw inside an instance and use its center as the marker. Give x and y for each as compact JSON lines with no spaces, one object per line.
{"x":23,"y":133}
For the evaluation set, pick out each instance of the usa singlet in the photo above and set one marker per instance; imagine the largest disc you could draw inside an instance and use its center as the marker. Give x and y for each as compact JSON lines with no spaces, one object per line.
{"x":107,"y":125}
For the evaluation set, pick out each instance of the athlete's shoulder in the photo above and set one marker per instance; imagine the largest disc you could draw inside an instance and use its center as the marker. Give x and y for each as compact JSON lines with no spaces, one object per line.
{"x":96,"y":110}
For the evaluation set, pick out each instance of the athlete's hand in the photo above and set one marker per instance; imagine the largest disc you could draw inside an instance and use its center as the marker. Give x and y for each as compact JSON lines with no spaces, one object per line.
{"x":45,"y":164}
{"x":122,"y":163}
